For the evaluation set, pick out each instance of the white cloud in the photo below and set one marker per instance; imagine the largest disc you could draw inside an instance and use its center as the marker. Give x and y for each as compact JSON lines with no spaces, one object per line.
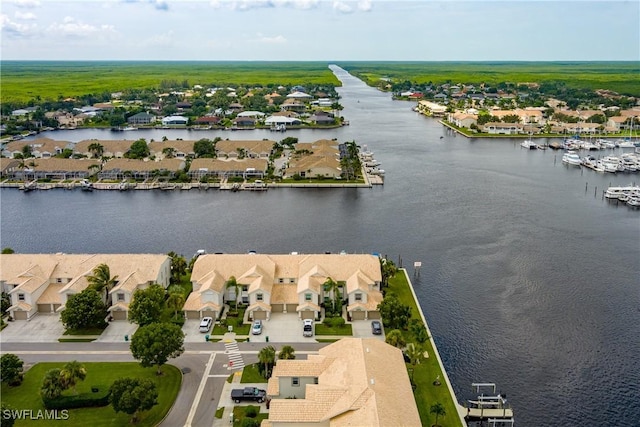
{"x":342,"y":7}
{"x":25,"y":3}
{"x":71,"y":27}
{"x":271,"y":40}
{"x":27,"y":16}
{"x":158,"y":4}
{"x":244,"y":5}
{"x":15,"y":29}
{"x":365,"y":5}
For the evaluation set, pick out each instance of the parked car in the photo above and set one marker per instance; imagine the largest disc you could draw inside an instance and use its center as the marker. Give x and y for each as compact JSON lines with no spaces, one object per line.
{"x":205,"y":324}
{"x":256,"y":328}
{"x":307,"y":328}
{"x":376,"y":327}
{"x":248,"y":393}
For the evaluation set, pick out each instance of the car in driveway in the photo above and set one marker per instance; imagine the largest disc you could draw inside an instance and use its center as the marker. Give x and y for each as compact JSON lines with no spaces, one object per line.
{"x":205,"y":324}
{"x":256,"y":327}
{"x":307,"y":328}
{"x":376,"y":327}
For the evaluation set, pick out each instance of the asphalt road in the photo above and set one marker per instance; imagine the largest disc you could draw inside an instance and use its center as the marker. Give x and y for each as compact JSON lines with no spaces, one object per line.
{"x":193,"y":363}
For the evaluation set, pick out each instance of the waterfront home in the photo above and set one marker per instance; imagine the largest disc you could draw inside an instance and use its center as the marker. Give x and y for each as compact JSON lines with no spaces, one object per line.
{"x":244,"y":122}
{"x":142,"y":118}
{"x":179,"y":149}
{"x":248,"y":149}
{"x":293,"y":104}
{"x":283,"y":284}
{"x":581,"y":128}
{"x":42,"y":148}
{"x":8,"y":167}
{"x":275,"y":120}
{"x":498,"y":128}
{"x":220,"y":168}
{"x":110,"y":148}
{"x":175,"y":120}
{"x":431,"y":108}
{"x":354,"y":381}
{"x":312,"y":159}
{"x":42,"y":283}
{"x":119,"y":169}
{"x":208,"y":120}
{"x":463,"y":120}
{"x":321,"y":118}
{"x":616,"y":123}
{"x":57,"y":169}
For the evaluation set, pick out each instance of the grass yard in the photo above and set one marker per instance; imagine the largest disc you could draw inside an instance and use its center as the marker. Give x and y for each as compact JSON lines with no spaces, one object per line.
{"x":27,"y":395}
{"x":239,"y":415}
{"x":322,"y":329}
{"x":250,"y":374}
{"x":426,"y":372}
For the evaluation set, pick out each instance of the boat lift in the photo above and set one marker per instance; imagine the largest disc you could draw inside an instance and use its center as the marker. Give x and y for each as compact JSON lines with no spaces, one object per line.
{"x":493,"y":408}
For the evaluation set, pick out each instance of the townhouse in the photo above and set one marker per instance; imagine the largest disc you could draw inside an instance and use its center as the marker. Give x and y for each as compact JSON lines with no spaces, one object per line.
{"x":354,"y":381}
{"x":292,"y":283}
{"x":42,"y":283}
{"x":118,"y":169}
{"x":220,"y":168}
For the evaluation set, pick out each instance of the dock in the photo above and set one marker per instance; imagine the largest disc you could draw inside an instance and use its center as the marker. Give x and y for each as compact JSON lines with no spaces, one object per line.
{"x":492,"y":408}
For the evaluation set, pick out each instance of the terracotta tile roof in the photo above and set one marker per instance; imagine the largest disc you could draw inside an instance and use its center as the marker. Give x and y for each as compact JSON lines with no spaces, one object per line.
{"x":284,"y":294}
{"x":229,"y":165}
{"x":52,"y":294}
{"x":68,"y":165}
{"x":135,"y":165}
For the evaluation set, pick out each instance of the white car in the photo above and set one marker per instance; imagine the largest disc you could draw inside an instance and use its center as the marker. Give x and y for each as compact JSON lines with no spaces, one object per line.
{"x":256,"y":328}
{"x":205,"y":324}
{"x":307,"y":328}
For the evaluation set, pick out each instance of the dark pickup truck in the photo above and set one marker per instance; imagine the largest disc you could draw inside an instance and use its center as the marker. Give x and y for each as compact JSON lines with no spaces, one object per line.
{"x":248,"y":393}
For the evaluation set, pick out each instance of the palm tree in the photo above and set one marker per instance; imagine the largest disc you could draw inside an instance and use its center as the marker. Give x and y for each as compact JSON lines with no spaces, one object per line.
{"x":267,"y":356}
{"x":414,"y":353}
{"x":395,"y":339}
{"x":287,"y":353}
{"x":169,"y":152}
{"x":51,"y":385}
{"x":175,"y":300}
{"x":102,"y":280}
{"x":72,"y":373}
{"x":438,"y":410}
{"x":232,"y":283}
{"x":388,"y":269}
{"x":96,"y":149}
{"x":332,"y":287}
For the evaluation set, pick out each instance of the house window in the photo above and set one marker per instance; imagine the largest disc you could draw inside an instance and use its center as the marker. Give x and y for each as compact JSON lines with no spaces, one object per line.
{"x":244,"y":288}
{"x":120,"y":296}
{"x":307,"y":297}
{"x":292,"y":280}
{"x":315,"y":380}
{"x":259,"y":297}
{"x":295,"y":381}
{"x":358,"y":296}
{"x":20,"y":297}
{"x":281,"y":280}
{"x":59,"y":280}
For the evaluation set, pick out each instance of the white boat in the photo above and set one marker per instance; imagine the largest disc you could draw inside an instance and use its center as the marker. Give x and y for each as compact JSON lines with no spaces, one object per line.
{"x":571,"y":158}
{"x":86,"y":185}
{"x":617,"y":192}
{"x":625,"y":143}
{"x":529,"y":144}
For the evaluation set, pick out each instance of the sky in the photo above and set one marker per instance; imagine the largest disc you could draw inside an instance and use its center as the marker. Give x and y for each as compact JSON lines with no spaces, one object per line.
{"x":320,"y":30}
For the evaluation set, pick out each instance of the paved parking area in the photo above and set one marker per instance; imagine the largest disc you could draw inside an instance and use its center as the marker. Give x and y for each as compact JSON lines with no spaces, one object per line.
{"x":116,"y":331}
{"x":282,"y":327}
{"x":362,"y":329}
{"x":191,"y":329}
{"x":43,"y":327}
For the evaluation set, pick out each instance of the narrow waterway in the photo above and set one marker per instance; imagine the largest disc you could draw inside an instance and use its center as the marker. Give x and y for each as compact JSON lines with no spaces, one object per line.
{"x":529,"y":278}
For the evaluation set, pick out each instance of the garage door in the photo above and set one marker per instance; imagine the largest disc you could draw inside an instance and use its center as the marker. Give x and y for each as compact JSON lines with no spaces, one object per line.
{"x":209,"y":313}
{"x":291,"y":308}
{"x":260,"y":315}
{"x":56,"y":307}
{"x":373,"y":315}
{"x":119,"y":315}
{"x":308,"y":314}
{"x":192,"y":314}
{"x":44,"y":308}
{"x":357,"y":315}
{"x":277,"y":308}
{"x":20,"y":315}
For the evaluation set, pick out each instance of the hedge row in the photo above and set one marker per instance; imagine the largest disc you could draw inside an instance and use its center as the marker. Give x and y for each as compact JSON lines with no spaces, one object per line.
{"x":99,"y":396}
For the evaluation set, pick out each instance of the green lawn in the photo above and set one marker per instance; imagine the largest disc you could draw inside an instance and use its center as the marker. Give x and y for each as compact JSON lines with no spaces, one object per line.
{"x":88,"y":331}
{"x":425,"y":373}
{"x":322,"y":329}
{"x":250,"y":374}
{"x":26,"y":396}
{"x":238,"y":415}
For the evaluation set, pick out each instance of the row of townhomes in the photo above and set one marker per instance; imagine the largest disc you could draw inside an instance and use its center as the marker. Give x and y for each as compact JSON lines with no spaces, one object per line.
{"x":285,"y":284}
{"x":352,"y":382}
{"x":536,"y":120}
{"x":247,"y":159}
{"x":42,"y":283}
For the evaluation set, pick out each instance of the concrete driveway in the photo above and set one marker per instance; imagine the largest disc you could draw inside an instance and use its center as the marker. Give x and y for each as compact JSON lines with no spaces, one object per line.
{"x":43,"y":327}
{"x":116,"y":331}
{"x":282,"y":327}
{"x":362,"y":329}
{"x":191,"y":329}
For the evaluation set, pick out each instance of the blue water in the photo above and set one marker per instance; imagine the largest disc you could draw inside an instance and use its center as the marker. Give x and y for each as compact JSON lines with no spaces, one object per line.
{"x":529,"y":278}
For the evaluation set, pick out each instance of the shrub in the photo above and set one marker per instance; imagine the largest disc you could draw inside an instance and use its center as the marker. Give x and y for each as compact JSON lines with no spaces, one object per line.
{"x":82,"y":400}
{"x":338,"y":322}
{"x":250,"y":422}
{"x":251,"y":411}
{"x":328,"y":321}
